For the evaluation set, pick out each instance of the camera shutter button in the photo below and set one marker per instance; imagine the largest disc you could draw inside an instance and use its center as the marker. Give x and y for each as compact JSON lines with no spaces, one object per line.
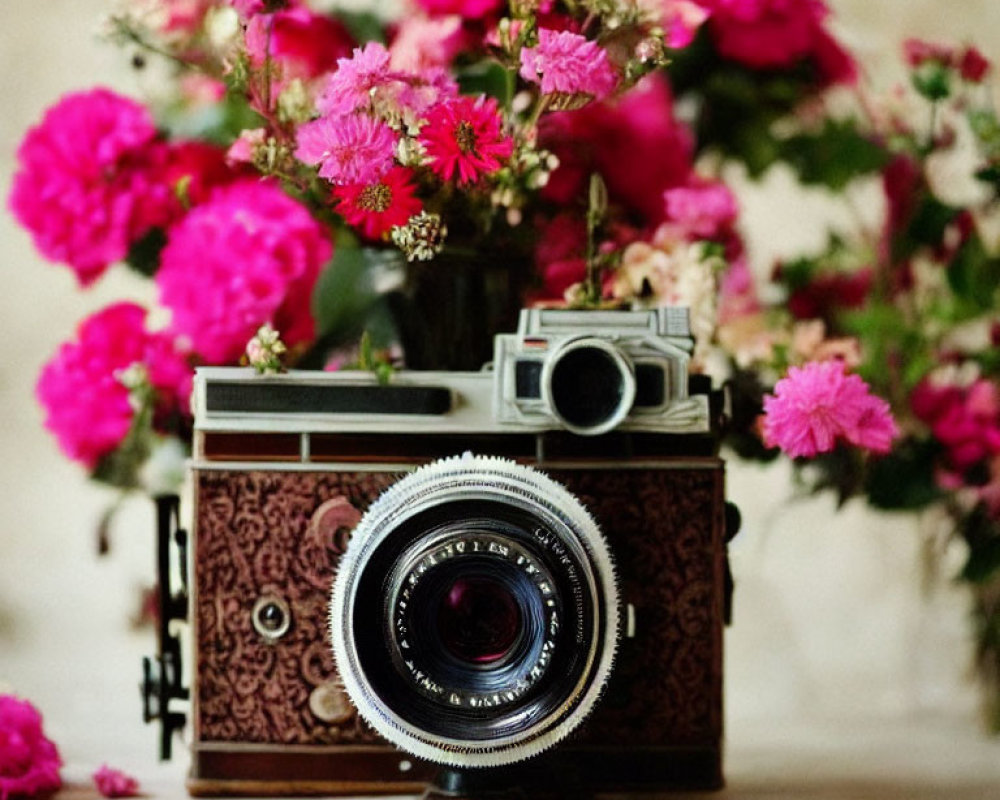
{"x":329,"y":703}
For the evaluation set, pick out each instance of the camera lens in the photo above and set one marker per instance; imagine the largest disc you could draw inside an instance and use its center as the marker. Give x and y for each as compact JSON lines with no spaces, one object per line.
{"x":474,"y":617}
{"x":478,"y":620}
{"x":589,"y":386}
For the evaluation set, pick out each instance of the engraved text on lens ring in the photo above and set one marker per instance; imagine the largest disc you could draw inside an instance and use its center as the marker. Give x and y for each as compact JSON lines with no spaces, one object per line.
{"x":502,"y":550}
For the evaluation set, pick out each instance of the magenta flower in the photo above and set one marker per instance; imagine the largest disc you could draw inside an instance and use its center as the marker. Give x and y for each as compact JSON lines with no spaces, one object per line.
{"x":115,"y":783}
{"x":776,"y":34}
{"x":250,"y":254}
{"x":703,"y":210}
{"x":468,"y":9}
{"x":29,"y":762}
{"x":83,"y":188}
{"x":965,"y":419}
{"x":349,"y":88}
{"x":681,"y":21}
{"x":568,"y":63}
{"x":86,"y":404}
{"x":348,"y":149}
{"x":818,"y":405}
{"x":463,"y":139}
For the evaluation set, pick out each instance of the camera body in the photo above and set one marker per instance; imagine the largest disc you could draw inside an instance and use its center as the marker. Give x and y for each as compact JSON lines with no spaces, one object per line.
{"x":286,"y":467}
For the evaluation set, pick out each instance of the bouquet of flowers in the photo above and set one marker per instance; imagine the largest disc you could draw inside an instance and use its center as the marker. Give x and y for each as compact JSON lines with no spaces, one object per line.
{"x":317,"y":188}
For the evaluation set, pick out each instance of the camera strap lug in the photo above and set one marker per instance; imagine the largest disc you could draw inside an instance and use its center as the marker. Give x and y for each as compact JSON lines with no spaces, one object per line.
{"x":162,"y":675}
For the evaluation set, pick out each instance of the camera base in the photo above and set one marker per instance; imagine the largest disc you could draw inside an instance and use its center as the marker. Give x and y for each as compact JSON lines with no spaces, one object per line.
{"x":459,"y":784}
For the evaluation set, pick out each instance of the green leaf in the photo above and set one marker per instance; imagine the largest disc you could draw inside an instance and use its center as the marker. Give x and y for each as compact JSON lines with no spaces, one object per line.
{"x":364,"y":26}
{"x":926,"y":227}
{"x":485,"y":77}
{"x":982,"y":534}
{"x":974,"y":276}
{"x":834,"y":156}
{"x":345,"y":301}
{"x":144,"y":255}
{"x":904,"y":478}
{"x":932,"y":80}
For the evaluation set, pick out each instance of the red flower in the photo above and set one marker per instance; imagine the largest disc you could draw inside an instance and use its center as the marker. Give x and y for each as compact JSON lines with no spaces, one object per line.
{"x":635,"y":143}
{"x":973,"y":65}
{"x":306,"y":43}
{"x":377,"y":207}
{"x":830,"y":293}
{"x":463,"y":139}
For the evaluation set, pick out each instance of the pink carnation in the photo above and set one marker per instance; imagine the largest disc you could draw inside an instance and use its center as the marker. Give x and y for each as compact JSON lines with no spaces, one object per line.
{"x":29,"y":762}
{"x":115,"y":783}
{"x":819,"y":404}
{"x":86,"y":405}
{"x":568,"y":63}
{"x":347,"y":149}
{"x":249,"y":255}
{"x":84,"y":189}
{"x":703,"y":210}
{"x":349,"y":88}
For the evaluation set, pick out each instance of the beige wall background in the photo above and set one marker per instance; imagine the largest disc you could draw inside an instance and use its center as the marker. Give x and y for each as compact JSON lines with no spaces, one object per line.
{"x":831,"y":620}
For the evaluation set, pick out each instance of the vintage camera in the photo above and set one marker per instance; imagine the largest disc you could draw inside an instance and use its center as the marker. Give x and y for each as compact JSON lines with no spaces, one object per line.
{"x":517,"y":574}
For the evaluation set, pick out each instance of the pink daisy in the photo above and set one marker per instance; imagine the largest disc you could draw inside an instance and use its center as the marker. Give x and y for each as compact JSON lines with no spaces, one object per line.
{"x":349,"y":88}
{"x":376,"y":208}
{"x":568,"y":63}
{"x":348,"y":149}
{"x":463,"y":139}
{"x":818,"y":404}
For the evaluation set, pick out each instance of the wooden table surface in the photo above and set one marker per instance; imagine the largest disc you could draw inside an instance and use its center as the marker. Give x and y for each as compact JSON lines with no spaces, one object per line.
{"x":930,"y":758}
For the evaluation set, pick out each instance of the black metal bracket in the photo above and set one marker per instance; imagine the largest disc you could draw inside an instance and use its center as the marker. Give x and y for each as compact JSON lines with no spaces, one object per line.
{"x":162,"y":675}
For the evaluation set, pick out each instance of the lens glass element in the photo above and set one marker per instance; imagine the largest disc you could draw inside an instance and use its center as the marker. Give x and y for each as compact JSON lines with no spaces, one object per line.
{"x":478,"y":620}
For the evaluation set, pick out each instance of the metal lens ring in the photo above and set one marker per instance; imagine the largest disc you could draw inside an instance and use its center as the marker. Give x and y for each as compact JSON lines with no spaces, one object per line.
{"x":589,"y":385}
{"x":451,"y":693}
{"x":474,"y":616}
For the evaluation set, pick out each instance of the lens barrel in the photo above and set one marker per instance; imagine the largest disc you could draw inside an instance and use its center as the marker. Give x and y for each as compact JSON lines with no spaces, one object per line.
{"x":475,"y":614}
{"x":588,"y":385}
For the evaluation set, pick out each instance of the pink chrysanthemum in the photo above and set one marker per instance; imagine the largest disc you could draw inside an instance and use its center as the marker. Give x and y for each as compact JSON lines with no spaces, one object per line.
{"x":250,"y":254}
{"x":349,"y":88}
{"x":86,"y":405}
{"x":376,"y":208}
{"x":351,"y":149}
{"x":463,"y":139}
{"x":115,"y":783}
{"x":84,"y":189}
{"x":29,"y":762}
{"x":819,"y":404}
{"x":568,"y":63}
